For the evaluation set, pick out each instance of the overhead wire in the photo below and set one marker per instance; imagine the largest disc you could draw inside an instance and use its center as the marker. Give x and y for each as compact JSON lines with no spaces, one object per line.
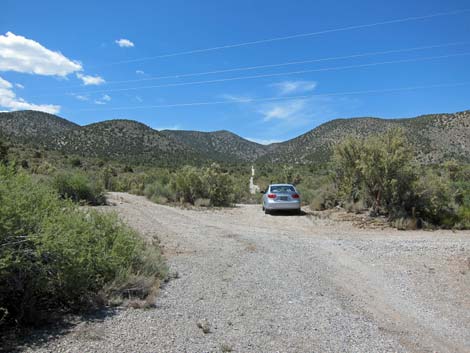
{"x":336,"y":68}
{"x":299,"y":35}
{"x":277,"y":98}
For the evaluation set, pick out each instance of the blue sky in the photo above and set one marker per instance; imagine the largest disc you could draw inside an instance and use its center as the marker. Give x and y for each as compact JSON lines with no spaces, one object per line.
{"x":96,"y":60}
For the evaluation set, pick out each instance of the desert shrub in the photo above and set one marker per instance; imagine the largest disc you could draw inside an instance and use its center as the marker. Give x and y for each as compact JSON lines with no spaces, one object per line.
{"x":79,"y":188}
{"x":45,"y":168}
{"x":355,"y":207}
{"x":76,"y":162}
{"x":318,"y":190}
{"x":55,"y":257}
{"x":127,"y":169}
{"x":219,"y":185}
{"x":188,"y":185}
{"x":3,"y":152}
{"x":135,"y":182}
{"x":159,"y":192}
{"x":346,"y":159}
{"x":463,"y":215}
{"x":288,"y":174}
{"x":213,"y":183}
{"x":324,"y":197}
{"x":379,"y":170}
{"x":202,"y":203}
{"x":435,"y":199}
{"x":406,"y":223}
{"x":107,"y":177}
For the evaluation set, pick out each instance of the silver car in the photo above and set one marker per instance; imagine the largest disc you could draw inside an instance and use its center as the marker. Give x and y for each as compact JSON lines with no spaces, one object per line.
{"x":281,"y":197}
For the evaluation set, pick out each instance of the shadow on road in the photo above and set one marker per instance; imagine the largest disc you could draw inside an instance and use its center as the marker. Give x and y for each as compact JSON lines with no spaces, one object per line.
{"x":287,"y":213}
{"x":16,"y":340}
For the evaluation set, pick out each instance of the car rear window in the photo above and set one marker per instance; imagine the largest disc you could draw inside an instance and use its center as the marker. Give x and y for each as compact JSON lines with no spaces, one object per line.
{"x":282,"y":188}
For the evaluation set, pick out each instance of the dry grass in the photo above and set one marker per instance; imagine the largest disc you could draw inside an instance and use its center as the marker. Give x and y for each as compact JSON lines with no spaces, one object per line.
{"x":149,"y":301}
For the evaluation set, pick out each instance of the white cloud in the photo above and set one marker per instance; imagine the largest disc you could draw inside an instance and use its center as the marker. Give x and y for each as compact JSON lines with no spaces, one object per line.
{"x":174,"y":127}
{"x":19,"y":85}
{"x":9,"y":100}
{"x":287,"y":111}
{"x":82,"y":98}
{"x":103,"y":100}
{"x":21,"y":54}
{"x":124,"y":43}
{"x":139,"y":72}
{"x":236,"y":98}
{"x":288,"y":87}
{"x":263,"y":141}
{"x":282,"y":117}
{"x":91,"y":80}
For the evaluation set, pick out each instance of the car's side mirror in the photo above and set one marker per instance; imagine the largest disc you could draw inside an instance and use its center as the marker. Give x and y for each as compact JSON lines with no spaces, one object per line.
{"x":262,"y":192}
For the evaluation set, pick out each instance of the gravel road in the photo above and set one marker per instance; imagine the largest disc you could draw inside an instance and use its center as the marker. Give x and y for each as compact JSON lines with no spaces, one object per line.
{"x":279,"y":283}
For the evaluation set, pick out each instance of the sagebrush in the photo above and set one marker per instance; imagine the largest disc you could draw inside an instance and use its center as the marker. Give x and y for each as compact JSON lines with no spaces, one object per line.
{"x":56,"y":257}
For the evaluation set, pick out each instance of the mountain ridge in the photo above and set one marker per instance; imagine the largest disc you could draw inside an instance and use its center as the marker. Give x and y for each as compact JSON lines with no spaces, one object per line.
{"x":436,"y":137}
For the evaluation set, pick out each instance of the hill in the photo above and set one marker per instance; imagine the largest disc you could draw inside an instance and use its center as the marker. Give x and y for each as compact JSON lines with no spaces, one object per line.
{"x":436,"y":137}
{"x":127,"y":141}
{"x":219,"y":145}
{"x":34,"y":128}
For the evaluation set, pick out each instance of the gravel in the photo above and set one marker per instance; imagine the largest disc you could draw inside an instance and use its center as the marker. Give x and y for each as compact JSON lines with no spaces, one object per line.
{"x":250,"y":282}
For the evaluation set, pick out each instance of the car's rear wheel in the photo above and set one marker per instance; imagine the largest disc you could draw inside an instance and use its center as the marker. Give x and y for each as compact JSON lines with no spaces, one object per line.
{"x":266,"y":211}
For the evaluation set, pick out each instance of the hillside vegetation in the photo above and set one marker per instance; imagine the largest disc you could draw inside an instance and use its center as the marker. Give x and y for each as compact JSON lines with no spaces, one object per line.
{"x":219,"y":145}
{"x":436,"y":138}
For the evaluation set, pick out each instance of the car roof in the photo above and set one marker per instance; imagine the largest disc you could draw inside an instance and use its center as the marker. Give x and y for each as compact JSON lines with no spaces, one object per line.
{"x":281,"y":185}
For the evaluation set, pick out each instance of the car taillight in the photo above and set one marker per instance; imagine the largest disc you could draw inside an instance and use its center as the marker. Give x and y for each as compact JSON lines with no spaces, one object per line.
{"x":295,"y":196}
{"x":272,"y":196}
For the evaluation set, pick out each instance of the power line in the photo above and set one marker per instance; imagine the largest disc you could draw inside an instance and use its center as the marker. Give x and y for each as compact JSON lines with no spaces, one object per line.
{"x":299,"y":35}
{"x":289,"y":63}
{"x":270,"y":99}
{"x":274,"y":75}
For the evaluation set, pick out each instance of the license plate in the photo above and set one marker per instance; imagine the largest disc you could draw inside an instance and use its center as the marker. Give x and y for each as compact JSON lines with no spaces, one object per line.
{"x":283,"y":198}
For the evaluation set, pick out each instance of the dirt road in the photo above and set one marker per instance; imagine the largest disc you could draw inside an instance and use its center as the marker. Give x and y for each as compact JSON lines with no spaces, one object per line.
{"x":262,"y":283}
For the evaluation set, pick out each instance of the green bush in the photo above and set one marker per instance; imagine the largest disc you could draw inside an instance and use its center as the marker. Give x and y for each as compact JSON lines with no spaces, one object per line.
{"x":463,"y":218}
{"x":76,"y":162}
{"x":220,"y":186}
{"x":348,"y":174}
{"x":434,"y":201}
{"x":79,"y":188}
{"x":318,"y":191}
{"x":55,"y":257}
{"x":3,"y":152}
{"x":45,"y":168}
{"x":190,"y":183}
{"x":324,"y":198}
{"x":159,"y":192}
{"x":380,"y":170}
